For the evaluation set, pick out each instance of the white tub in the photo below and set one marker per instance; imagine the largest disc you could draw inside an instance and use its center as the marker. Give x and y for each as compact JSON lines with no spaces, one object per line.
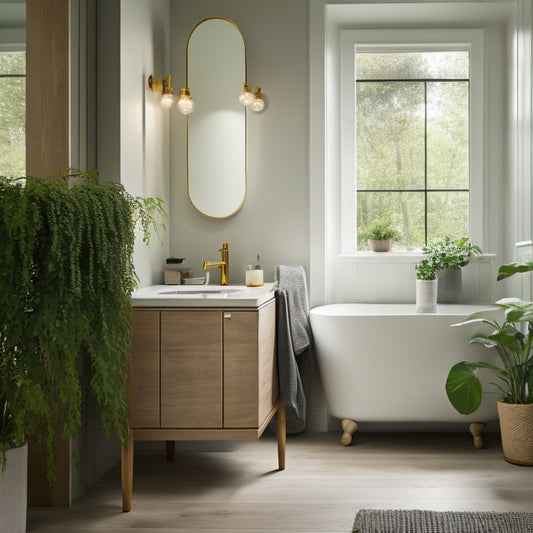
{"x":388,"y":363}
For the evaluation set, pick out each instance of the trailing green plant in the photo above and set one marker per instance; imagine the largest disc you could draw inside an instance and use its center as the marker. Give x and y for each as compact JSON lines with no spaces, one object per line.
{"x":379,"y":230}
{"x":448,"y":254}
{"x":66,"y":277}
{"x":512,"y":339}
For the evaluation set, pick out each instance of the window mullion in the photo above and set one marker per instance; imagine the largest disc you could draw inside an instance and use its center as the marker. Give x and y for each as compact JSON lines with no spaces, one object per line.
{"x":425,"y":162}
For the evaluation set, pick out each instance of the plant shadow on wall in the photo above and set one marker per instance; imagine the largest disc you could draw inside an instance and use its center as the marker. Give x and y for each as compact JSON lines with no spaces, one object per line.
{"x":66,"y":277}
{"x":512,"y":338}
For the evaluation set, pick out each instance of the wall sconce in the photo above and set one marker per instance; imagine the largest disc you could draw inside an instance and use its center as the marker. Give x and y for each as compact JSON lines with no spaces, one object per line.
{"x":163,"y":87}
{"x":254,"y":101}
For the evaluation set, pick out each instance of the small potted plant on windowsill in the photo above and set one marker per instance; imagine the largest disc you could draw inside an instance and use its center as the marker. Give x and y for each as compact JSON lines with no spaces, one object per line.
{"x":448,"y":257}
{"x":380,"y":235}
{"x":513,"y":340}
{"x":426,"y":287}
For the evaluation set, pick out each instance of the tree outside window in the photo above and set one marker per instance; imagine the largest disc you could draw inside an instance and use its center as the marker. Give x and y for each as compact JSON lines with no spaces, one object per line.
{"x":412,"y":143}
{"x":12,"y":113}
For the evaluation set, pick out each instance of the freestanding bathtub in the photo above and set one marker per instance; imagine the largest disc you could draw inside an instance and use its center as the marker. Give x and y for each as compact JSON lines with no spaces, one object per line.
{"x":388,"y":363}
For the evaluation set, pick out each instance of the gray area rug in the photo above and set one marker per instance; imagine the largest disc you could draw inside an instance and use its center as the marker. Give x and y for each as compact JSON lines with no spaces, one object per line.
{"x":388,"y":521}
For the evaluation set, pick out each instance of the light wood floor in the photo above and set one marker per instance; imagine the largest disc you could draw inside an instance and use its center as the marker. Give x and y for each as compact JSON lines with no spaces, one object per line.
{"x":237,"y":488}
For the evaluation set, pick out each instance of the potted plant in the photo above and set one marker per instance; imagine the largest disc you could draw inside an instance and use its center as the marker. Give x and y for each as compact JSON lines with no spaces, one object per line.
{"x":448,"y":257}
{"x":512,"y":338}
{"x":66,"y":276}
{"x":380,"y":234}
{"x":426,"y":287}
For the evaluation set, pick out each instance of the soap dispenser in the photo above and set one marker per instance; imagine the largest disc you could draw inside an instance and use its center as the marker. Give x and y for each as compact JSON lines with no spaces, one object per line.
{"x":254,"y":275}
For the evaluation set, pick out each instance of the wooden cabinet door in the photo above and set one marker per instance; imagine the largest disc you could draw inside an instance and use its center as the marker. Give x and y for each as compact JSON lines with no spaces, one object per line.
{"x":144,"y":372}
{"x":191,"y":369}
{"x":250,"y":371}
{"x":267,"y":364}
{"x":240,"y":369}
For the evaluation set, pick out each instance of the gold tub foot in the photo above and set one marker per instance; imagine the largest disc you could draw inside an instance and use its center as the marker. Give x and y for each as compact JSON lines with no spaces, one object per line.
{"x":476,"y":428}
{"x":349,"y":427}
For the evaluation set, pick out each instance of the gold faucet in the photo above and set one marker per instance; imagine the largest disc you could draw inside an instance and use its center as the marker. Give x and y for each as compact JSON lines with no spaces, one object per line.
{"x":223,"y":264}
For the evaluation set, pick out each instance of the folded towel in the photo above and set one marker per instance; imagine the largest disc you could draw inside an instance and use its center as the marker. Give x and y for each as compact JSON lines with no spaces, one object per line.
{"x":293,"y":334}
{"x":291,"y":278}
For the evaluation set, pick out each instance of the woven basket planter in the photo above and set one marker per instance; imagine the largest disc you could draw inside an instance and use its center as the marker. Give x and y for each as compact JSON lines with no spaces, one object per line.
{"x":516,"y":427}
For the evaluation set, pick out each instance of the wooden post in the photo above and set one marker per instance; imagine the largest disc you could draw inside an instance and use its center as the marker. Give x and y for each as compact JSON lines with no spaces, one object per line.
{"x":126,"y":456}
{"x":170,"y":450}
{"x":281,"y":432}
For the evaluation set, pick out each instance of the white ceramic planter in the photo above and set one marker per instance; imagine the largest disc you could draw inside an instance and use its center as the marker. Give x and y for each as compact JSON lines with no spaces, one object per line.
{"x":13,"y":491}
{"x":426,"y":296}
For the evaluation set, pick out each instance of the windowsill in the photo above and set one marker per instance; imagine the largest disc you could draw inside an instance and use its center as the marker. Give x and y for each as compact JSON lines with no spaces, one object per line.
{"x":399,"y":257}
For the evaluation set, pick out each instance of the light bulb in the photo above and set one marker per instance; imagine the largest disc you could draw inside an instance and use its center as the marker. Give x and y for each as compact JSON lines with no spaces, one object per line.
{"x":246,"y":97}
{"x":167,"y":99}
{"x":185,"y":102}
{"x":258,"y":104}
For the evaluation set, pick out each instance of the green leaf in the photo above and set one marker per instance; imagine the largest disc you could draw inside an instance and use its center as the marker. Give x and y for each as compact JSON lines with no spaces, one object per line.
{"x":463,"y":388}
{"x":506,"y":271}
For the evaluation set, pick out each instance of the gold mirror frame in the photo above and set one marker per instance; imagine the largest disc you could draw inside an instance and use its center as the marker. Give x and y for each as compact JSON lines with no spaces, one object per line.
{"x":217,"y":129}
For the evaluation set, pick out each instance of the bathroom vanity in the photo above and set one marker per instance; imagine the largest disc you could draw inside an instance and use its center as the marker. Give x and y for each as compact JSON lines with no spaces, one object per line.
{"x":202,"y":368}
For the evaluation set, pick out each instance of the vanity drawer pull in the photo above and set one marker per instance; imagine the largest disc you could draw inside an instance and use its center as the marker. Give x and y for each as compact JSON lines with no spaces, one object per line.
{"x":227,"y":315}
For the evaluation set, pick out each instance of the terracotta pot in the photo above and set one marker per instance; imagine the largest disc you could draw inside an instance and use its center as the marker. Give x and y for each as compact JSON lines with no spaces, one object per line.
{"x":383,"y":245}
{"x":516,"y":427}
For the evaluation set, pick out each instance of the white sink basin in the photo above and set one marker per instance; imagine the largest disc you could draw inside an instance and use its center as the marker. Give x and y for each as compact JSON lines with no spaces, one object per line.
{"x":202,"y":296}
{"x":204,"y":291}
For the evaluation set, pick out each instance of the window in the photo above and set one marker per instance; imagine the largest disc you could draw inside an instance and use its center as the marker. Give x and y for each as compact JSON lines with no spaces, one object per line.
{"x":12,"y":113}
{"x":412,"y":143}
{"x":410,"y":103}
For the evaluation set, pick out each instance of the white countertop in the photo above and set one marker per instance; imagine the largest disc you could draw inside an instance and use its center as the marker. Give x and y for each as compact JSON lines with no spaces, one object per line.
{"x":202,"y":295}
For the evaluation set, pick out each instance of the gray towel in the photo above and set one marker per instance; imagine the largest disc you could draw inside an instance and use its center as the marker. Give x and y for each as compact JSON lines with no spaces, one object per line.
{"x":291,"y":278}
{"x":293,"y":334}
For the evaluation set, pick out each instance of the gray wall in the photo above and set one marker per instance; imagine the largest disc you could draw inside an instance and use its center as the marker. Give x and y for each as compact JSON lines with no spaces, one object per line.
{"x":274,"y":220}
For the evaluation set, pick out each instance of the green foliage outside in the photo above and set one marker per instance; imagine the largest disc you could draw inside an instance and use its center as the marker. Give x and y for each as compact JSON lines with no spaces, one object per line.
{"x":394,"y":119}
{"x":12,"y":114}
{"x":66,"y":276}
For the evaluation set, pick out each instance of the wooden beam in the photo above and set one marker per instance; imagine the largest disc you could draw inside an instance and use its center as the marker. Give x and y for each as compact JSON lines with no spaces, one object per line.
{"x":47,"y":87}
{"x":47,"y":152}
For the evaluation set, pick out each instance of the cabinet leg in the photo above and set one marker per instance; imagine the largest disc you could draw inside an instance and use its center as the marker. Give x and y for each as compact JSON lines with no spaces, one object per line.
{"x":476,"y":429}
{"x":126,"y":464}
{"x":349,"y":427}
{"x":281,"y":432}
{"x":170,"y":450}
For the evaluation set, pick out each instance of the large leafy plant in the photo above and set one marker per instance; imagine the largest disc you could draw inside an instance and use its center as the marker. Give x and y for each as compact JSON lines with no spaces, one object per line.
{"x":513,"y":340}
{"x":66,"y":276}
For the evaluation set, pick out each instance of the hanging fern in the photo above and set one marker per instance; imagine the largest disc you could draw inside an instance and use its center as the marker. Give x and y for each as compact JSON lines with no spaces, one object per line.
{"x":66,"y":276}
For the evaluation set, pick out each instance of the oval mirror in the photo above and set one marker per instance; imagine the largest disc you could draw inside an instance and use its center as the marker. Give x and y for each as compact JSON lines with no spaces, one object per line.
{"x":216,"y":130}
